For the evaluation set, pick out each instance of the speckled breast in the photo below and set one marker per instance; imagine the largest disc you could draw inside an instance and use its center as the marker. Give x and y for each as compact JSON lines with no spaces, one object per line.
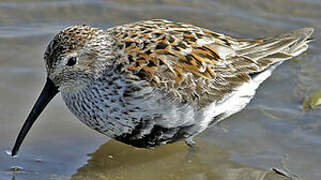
{"x":131,"y":112}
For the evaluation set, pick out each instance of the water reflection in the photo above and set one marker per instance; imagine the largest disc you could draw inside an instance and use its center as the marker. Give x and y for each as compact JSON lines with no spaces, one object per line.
{"x":114,"y":160}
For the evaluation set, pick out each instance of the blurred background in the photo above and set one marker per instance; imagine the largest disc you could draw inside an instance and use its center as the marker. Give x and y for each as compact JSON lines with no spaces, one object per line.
{"x":280,"y":128}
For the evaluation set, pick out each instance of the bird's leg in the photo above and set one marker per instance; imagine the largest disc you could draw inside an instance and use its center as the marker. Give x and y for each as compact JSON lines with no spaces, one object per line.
{"x":193,"y":149}
{"x":190,"y":142}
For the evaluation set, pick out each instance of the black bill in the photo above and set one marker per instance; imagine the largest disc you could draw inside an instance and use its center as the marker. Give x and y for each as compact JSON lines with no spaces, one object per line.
{"x":48,"y":92}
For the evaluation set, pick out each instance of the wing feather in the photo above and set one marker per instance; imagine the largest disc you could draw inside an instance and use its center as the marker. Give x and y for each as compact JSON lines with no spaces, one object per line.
{"x":196,"y":65}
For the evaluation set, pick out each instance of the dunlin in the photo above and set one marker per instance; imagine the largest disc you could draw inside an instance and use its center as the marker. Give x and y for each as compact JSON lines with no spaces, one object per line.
{"x":155,"y":82}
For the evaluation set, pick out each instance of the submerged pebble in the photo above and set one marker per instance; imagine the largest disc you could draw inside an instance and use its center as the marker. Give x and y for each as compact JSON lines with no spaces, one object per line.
{"x":38,"y":160}
{"x":16,"y":169}
{"x":312,"y":101}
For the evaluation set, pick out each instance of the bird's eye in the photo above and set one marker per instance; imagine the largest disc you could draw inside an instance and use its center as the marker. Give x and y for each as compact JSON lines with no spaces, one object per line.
{"x":71,"y":61}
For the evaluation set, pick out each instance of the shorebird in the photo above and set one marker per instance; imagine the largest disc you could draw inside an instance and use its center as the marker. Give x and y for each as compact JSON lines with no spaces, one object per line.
{"x":155,"y":82}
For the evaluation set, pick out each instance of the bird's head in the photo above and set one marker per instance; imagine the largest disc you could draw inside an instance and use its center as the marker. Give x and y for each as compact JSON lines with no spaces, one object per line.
{"x":76,"y":56}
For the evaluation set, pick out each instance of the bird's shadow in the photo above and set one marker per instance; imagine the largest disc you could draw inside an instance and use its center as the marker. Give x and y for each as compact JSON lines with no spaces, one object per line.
{"x":114,"y":160}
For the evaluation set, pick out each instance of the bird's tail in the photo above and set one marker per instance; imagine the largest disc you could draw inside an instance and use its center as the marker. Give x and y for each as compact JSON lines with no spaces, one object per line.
{"x":282,"y":47}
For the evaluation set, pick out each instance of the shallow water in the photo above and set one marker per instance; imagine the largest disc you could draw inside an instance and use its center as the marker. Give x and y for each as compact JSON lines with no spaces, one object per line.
{"x":272,"y":132}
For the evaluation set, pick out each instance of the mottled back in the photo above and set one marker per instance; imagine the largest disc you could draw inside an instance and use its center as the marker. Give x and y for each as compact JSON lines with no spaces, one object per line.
{"x":193,"y":64}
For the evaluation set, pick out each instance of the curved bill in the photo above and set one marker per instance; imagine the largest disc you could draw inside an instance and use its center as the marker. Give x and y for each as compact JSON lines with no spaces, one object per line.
{"x":48,"y":92}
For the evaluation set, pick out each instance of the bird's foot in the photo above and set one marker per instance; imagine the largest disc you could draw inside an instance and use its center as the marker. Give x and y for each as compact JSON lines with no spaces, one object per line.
{"x":190,"y":142}
{"x":193,"y":149}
